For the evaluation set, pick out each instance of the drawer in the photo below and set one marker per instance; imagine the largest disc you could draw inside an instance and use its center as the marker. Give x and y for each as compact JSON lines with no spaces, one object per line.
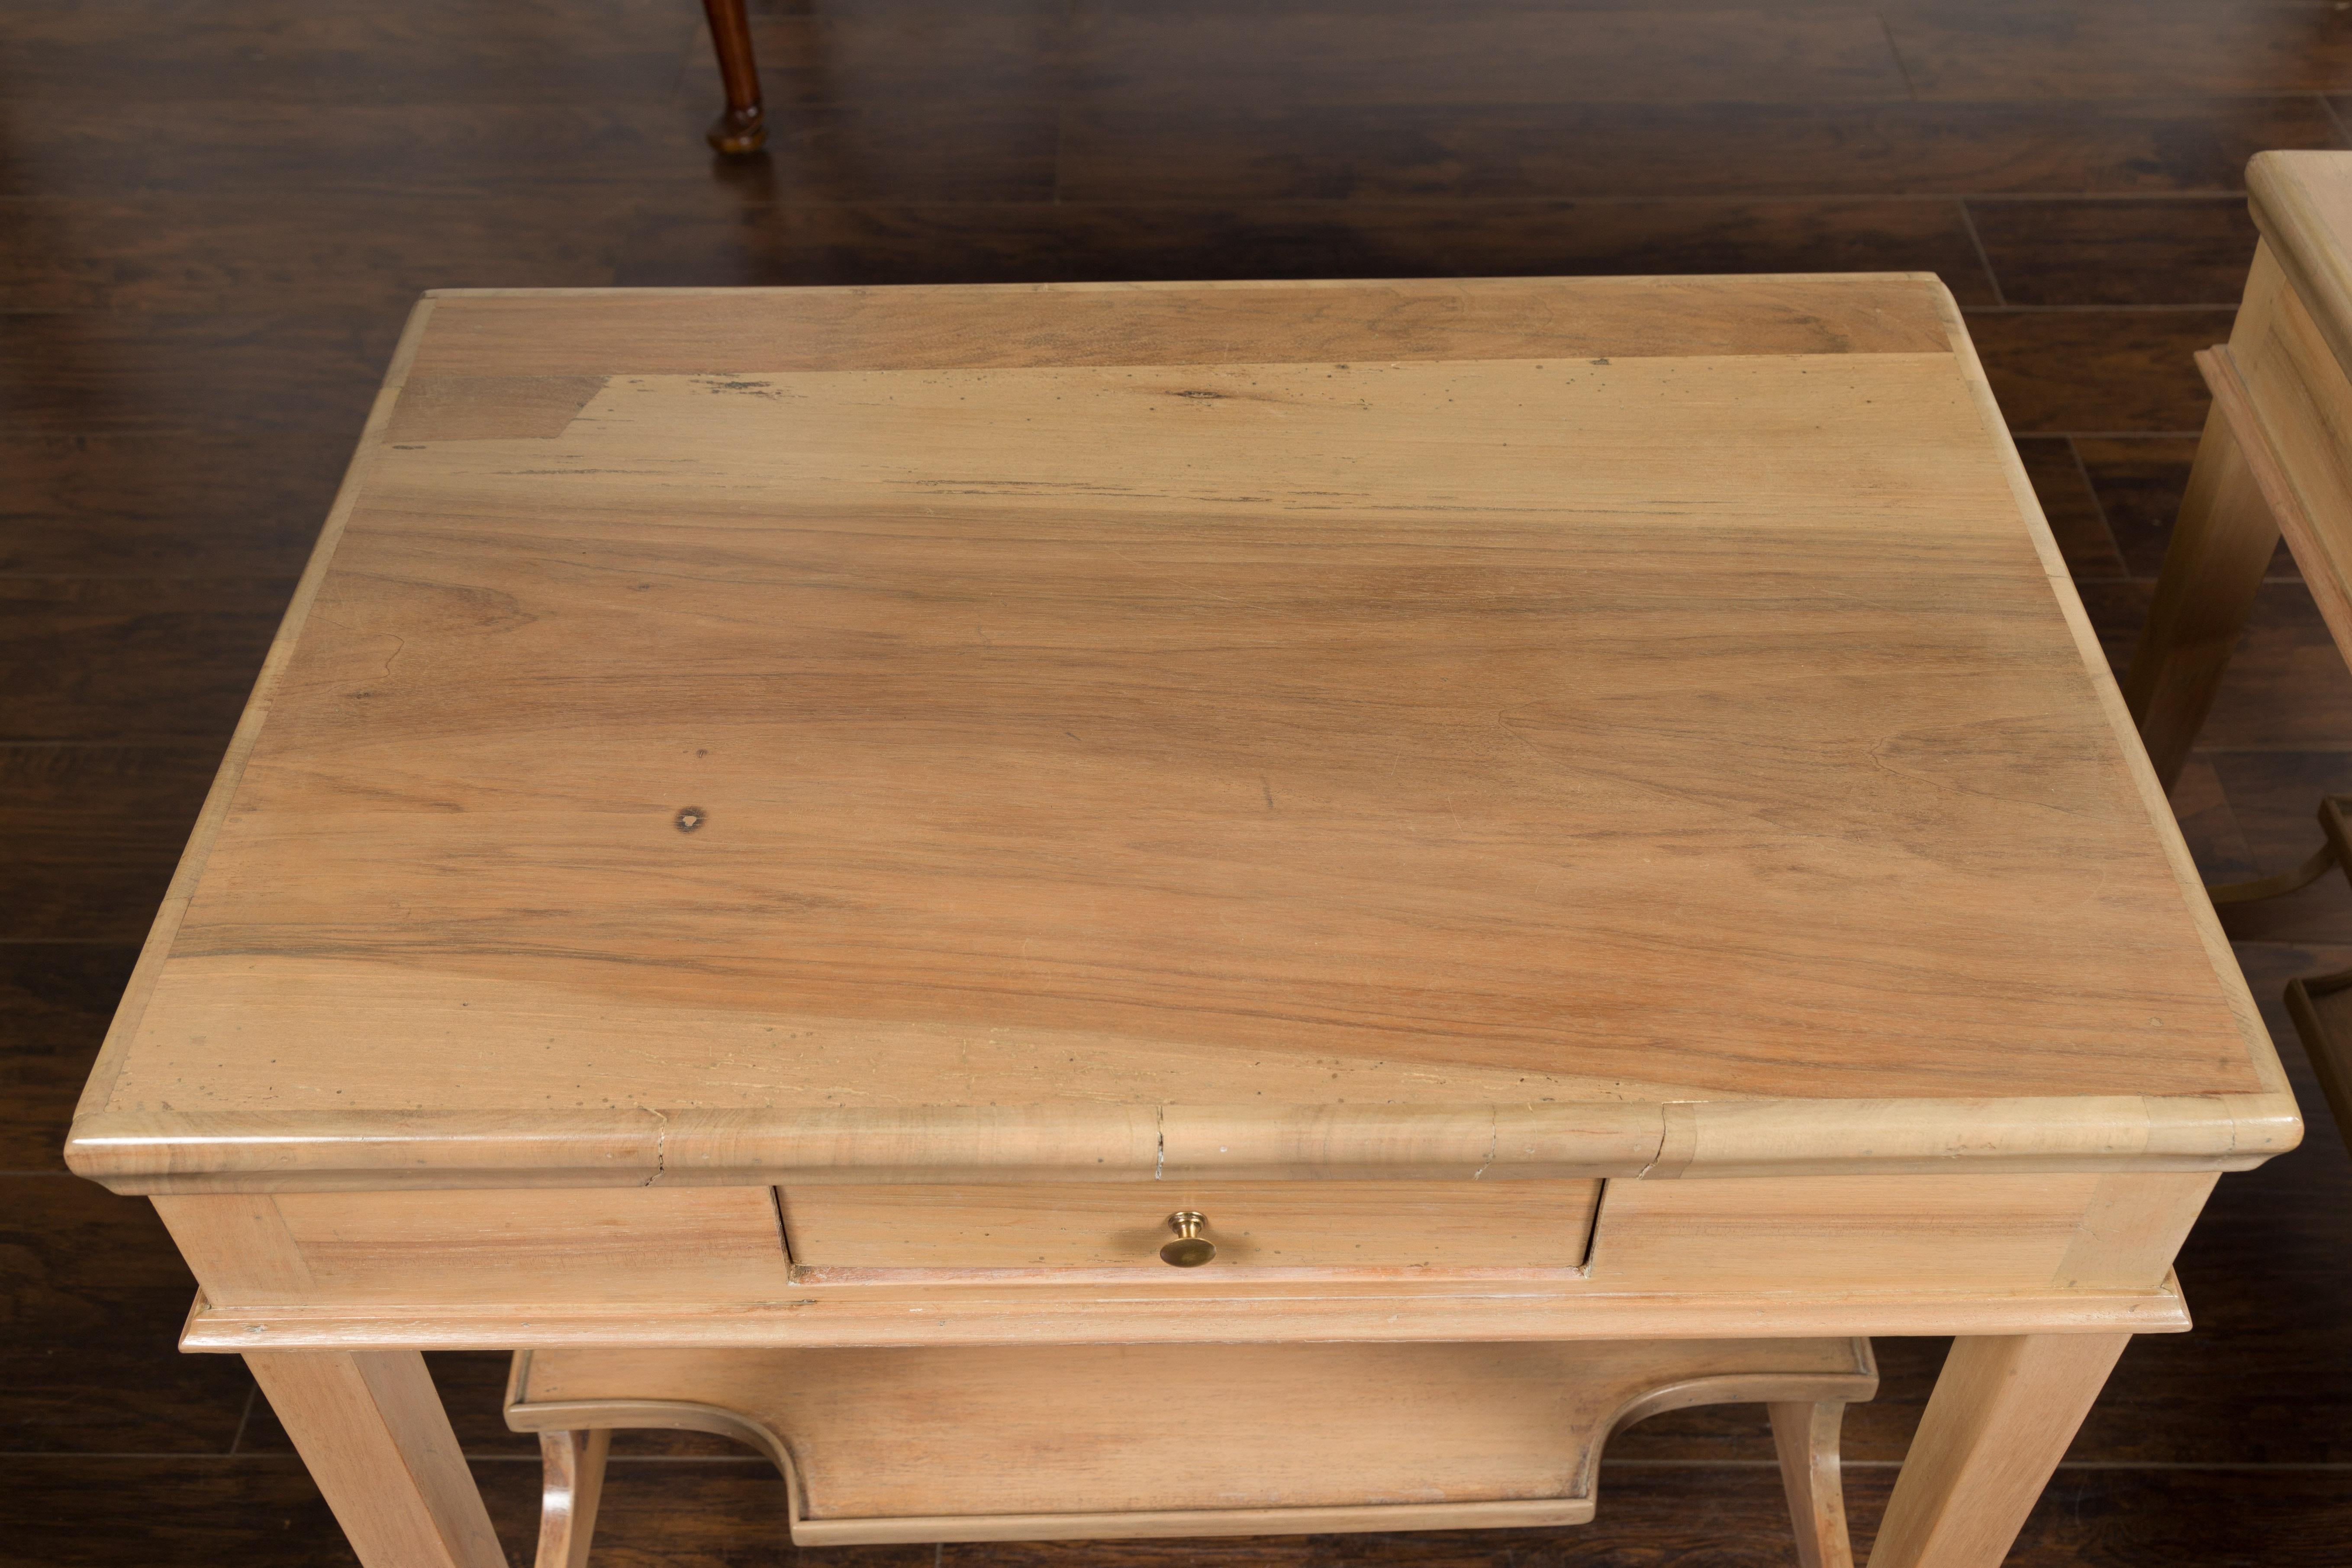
{"x":1434,"y":1226}
{"x":604,"y":1245}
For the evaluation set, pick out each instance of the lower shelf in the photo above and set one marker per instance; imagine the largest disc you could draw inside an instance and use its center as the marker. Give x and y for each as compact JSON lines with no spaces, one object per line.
{"x":1057,"y":1442}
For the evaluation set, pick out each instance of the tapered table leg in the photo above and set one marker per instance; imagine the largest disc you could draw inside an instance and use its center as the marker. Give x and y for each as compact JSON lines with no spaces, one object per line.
{"x":2003,"y":1414}
{"x":742,"y":126}
{"x":2221,"y":547}
{"x":372,"y":1429}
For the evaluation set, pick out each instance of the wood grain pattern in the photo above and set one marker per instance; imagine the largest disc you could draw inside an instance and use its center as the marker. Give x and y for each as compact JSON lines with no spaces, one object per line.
{"x":1979,"y":52}
{"x":2225,"y":536}
{"x":1437,"y":1225}
{"x":1805,"y":1436}
{"x":2003,"y":1413}
{"x":1740,"y":151}
{"x":1262,"y":766}
{"x":798,"y":242}
{"x":1241,"y":1439}
{"x":1089,"y":1311}
{"x":55,"y":998}
{"x":717,"y":333}
{"x":613,"y":1245}
{"x":2124,"y":252}
{"x":330,"y":160}
{"x":574,"y":1467}
{"x":361,"y":1418}
{"x":2099,"y":371}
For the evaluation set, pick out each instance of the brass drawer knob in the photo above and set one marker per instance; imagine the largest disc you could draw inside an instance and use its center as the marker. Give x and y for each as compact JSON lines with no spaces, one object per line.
{"x":1190,"y":1248}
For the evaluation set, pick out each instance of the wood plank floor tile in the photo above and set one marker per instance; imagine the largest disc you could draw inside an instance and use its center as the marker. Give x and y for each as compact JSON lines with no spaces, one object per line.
{"x":101,"y":373}
{"x":223,"y":504}
{"x":56,"y":1000}
{"x":2139,"y":483}
{"x":1454,"y":57}
{"x":2059,"y":372}
{"x":904,"y":53}
{"x":132,"y":660}
{"x":230,"y":255}
{"x":2051,"y":49}
{"x":2177,"y":251}
{"x":2072,"y":510}
{"x":2273,"y":796}
{"x":262,"y":1514}
{"x":177,"y":1512}
{"x":2286,"y":688}
{"x":2263,"y":1379}
{"x":328,"y":57}
{"x":92,"y":1295}
{"x":1751,"y":151}
{"x":1042,"y":242}
{"x":94,"y":833}
{"x":920,"y":150}
{"x":2208,"y":826}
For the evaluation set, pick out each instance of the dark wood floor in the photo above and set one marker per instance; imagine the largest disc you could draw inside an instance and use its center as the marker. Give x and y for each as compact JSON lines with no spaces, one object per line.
{"x":214,"y":214}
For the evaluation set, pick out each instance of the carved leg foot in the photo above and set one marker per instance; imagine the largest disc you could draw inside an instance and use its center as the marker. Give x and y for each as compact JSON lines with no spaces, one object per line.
{"x":1807,"y":1437}
{"x":575,"y":1484}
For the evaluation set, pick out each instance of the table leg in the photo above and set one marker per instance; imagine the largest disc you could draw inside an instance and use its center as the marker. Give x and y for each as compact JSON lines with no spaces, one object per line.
{"x":2221,"y":547}
{"x":573,"y":1465}
{"x":1806,"y":1434}
{"x":371,"y":1426}
{"x":2003,"y":1414}
{"x":742,"y":126}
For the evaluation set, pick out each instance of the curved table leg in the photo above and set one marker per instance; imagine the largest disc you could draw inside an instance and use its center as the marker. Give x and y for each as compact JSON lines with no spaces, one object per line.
{"x":2003,"y":1414}
{"x":575,"y":1484}
{"x":1806,"y":1435}
{"x":742,"y":126}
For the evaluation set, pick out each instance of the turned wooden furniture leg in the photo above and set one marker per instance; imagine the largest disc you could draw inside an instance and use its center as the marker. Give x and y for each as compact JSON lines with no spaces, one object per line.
{"x":2219,"y":548}
{"x":573,"y":1485}
{"x":742,"y":126}
{"x":1806,"y":1435}
{"x":371,"y":1429}
{"x":2003,"y":1414}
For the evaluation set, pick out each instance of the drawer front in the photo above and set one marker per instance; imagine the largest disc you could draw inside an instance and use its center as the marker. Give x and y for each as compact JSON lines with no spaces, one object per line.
{"x":604,"y":1245}
{"x":1436,"y":1225}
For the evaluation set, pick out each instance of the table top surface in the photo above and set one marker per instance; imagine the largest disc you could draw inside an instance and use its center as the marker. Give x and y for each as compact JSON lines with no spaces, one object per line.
{"x":978,"y":724}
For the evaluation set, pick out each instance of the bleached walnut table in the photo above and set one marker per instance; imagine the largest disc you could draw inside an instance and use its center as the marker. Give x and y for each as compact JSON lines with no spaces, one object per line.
{"x":1183,"y":909}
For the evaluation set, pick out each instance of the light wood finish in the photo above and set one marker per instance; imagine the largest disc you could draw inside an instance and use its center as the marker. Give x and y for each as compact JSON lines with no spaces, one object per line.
{"x":999,"y":765}
{"x":1999,"y":1422}
{"x":2277,"y":458}
{"x":1086,"y":1311}
{"x":2017,"y":1233}
{"x":609,"y":1244}
{"x":371,"y":1429}
{"x":169,"y":1152}
{"x":1204,"y":1439}
{"x":2223,"y":541}
{"x":1307,"y":704}
{"x":1709,"y":1245}
{"x":1805,"y":1435}
{"x":1434,"y":1227}
{"x":573,"y":1483}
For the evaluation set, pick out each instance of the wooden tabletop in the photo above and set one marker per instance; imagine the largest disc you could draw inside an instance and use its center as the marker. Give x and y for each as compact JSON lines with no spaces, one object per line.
{"x":1605,"y":725}
{"x":2301,"y":203}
